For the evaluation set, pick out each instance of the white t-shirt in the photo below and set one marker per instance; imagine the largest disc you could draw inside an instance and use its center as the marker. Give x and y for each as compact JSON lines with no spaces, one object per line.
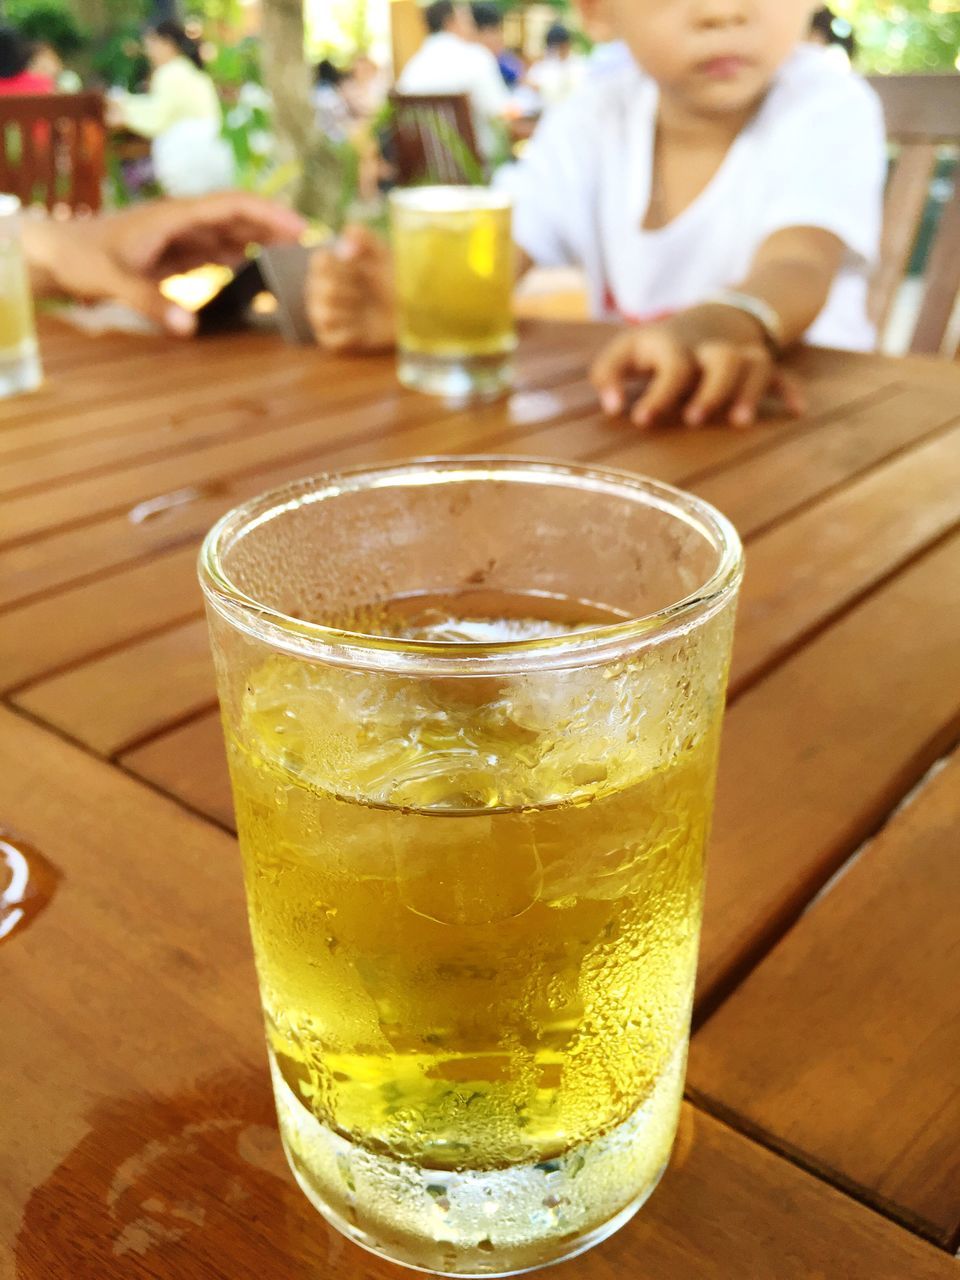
{"x":813,"y":155}
{"x":556,"y":79}
{"x":445,"y":63}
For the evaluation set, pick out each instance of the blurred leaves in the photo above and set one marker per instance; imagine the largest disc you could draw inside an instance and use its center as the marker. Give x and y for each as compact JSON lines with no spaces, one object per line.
{"x":903,"y":36}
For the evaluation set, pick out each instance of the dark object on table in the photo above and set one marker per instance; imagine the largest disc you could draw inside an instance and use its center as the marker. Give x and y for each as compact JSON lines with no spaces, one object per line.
{"x":279,"y":270}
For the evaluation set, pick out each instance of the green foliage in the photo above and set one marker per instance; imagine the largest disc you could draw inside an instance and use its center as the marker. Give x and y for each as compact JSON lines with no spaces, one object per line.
{"x":900,"y":36}
{"x":117,"y":58}
{"x":47,"y":22}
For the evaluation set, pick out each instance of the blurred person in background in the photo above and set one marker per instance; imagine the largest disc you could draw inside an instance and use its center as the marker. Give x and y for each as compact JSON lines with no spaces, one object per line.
{"x":21,"y":69}
{"x":560,"y":71}
{"x":181,"y":114}
{"x":365,"y":88}
{"x":330,"y":102}
{"x":489,"y":23}
{"x":451,"y":60}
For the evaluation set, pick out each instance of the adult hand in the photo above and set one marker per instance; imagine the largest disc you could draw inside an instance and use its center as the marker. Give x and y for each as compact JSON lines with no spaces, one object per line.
{"x":122,"y":256}
{"x":711,"y":360}
{"x":350,"y":293}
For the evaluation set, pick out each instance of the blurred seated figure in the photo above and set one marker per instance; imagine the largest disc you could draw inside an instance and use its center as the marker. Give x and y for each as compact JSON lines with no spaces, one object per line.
{"x":21,"y":70}
{"x":451,"y":61}
{"x":560,"y":71}
{"x":330,"y":103}
{"x":181,"y":114}
{"x":489,"y":23}
{"x":365,"y":88}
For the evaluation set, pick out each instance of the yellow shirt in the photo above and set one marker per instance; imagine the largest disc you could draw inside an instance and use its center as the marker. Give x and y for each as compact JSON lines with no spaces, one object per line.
{"x":178,"y":91}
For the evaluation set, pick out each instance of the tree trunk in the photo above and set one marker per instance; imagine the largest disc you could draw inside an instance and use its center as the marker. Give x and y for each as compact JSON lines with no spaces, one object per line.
{"x":287,"y":76}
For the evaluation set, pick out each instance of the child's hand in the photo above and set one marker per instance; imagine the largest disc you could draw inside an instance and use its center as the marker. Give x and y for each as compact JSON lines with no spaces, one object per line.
{"x":350,"y":293}
{"x":712,"y":360}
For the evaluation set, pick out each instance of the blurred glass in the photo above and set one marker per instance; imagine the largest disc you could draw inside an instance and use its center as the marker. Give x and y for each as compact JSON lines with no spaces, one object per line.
{"x":19,"y":358}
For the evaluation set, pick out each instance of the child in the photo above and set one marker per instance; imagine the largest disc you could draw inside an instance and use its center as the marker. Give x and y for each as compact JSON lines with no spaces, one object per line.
{"x":725,"y":200}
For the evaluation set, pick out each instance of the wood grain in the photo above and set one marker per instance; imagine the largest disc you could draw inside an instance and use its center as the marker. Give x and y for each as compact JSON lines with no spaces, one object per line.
{"x":805,"y":570}
{"x":115,"y":700}
{"x":81,"y":622}
{"x":767,"y":486}
{"x":857,"y":1070}
{"x":816,"y":755}
{"x":190,"y":763}
{"x":161,"y":1158}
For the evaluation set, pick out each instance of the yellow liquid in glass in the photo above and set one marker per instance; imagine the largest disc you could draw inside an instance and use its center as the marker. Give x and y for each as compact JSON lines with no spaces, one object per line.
{"x":475,"y":922}
{"x":454,"y":282}
{"x":16,"y":308}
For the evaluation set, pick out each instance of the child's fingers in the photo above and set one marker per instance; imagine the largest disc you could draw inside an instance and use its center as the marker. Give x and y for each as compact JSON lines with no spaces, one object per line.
{"x":673,"y":371}
{"x":610,"y":371}
{"x":743,"y":412}
{"x":356,"y":242}
{"x":335,"y":292}
{"x":790,"y":389}
{"x":722,"y":371}
{"x":340,"y":333}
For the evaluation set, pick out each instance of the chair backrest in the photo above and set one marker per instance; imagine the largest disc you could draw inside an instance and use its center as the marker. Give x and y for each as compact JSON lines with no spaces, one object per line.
{"x":434,"y":139}
{"x":52,"y":149}
{"x":922,"y":114}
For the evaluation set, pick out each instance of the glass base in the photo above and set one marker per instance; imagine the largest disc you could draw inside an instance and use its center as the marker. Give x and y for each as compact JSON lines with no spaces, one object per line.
{"x":19,"y":371}
{"x":491,"y":1222}
{"x":456,"y":378}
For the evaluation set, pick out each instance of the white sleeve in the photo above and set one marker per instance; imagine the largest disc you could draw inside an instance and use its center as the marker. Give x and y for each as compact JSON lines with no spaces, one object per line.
{"x":827,"y":168}
{"x":550,"y":188}
{"x":489,"y":93}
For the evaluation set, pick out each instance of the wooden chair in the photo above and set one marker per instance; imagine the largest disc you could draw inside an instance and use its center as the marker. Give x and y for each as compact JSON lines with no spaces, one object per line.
{"x":52,"y":150}
{"x":922,"y":114}
{"x":434,"y":139}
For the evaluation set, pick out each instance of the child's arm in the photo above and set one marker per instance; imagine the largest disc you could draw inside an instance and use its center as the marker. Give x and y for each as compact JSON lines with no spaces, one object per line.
{"x":715,"y":358}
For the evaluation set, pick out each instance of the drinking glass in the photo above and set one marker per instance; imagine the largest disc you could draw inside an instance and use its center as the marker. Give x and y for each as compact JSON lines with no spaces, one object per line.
{"x":454,"y":265}
{"x":19,"y":359}
{"x":472,"y":710}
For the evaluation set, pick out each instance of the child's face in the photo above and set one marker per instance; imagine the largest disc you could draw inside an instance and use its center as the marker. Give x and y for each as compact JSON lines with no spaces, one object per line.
{"x":713,"y":55}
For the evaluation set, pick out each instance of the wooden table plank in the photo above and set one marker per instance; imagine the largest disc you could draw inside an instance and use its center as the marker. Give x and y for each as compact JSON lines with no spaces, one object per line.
{"x":161,"y":1159}
{"x":83,"y":403}
{"x":41,"y":564}
{"x":768,"y":486}
{"x":817,"y":754}
{"x":803,"y":571}
{"x":856,"y":1071}
{"x":113,"y":701}
{"x":302,"y":438}
{"x":98,"y":625}
{"x":80,"y":622}
{"x":190,"y":763}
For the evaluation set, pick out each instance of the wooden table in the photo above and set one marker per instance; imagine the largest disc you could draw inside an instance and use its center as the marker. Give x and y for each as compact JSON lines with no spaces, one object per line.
{"x":822,"y":1133}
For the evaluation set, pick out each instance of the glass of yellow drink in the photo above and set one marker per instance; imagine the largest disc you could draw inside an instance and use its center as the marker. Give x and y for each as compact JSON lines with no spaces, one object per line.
{"x":472,"y":710}
{"x":454,"y":265}
{"x":19,"y":360}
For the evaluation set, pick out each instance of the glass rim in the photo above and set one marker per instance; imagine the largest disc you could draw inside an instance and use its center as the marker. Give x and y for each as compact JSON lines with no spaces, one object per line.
{"x":449,"y":198}
{"x":314,"y":641}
